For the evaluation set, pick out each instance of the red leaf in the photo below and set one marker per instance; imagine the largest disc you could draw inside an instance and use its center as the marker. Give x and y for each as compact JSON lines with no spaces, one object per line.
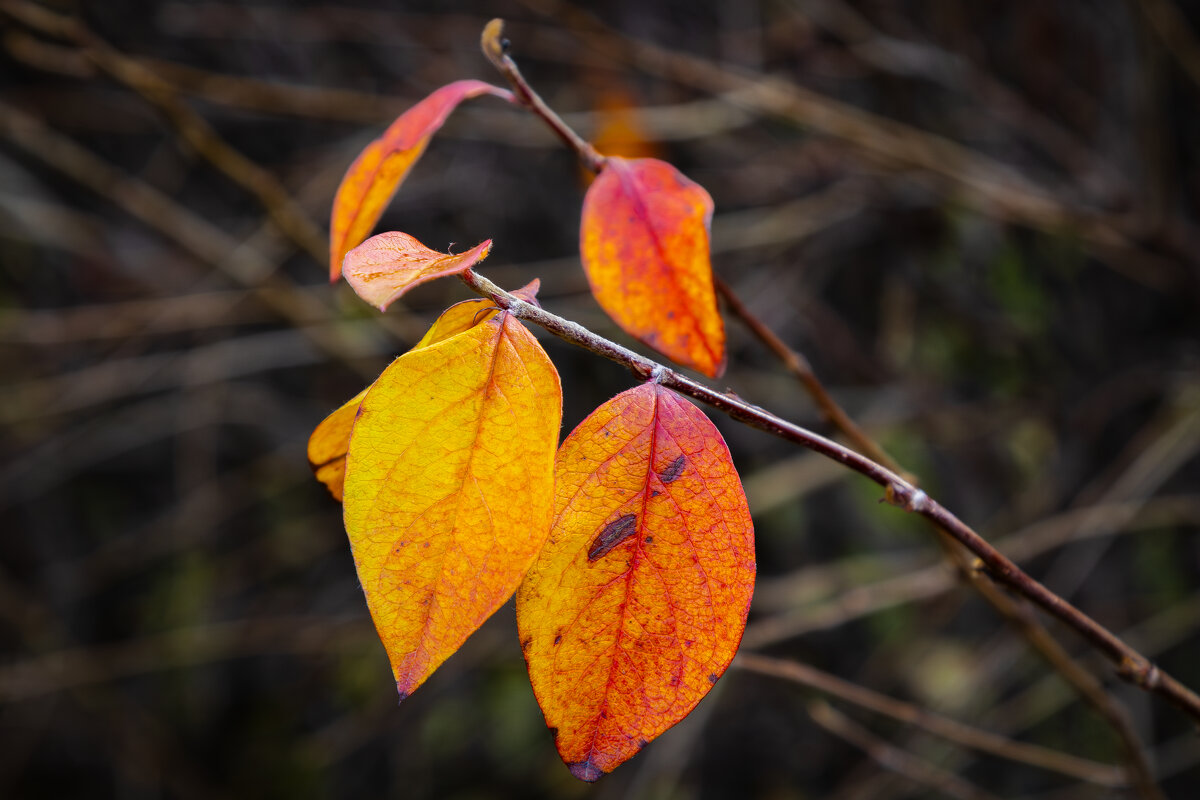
{"x":378,"y":171}
{"x":644,"y":244}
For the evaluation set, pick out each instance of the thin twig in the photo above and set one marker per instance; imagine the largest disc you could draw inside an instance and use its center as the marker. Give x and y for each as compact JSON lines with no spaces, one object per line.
{"x":201,"y":644}
{"x":496,"y":49}
{"x":944,"y":727}
{"x":190,"y":126}
{"x":1131,"y":665}
{"x":194,"y":234}
{"x":798,"y":365}
{"x":1171,"y":26}
{"x":1083,"y":682}
{"x":926,"y":582}
{"x":894,"y":758}
{"x":900,"y":486}
{"x":990,"y":187}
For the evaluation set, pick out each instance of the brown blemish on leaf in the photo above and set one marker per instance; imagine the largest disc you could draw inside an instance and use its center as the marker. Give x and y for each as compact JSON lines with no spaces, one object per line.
{"x":713,"y":677}
{"x":613,"y":534}
{"x":673,"y":470}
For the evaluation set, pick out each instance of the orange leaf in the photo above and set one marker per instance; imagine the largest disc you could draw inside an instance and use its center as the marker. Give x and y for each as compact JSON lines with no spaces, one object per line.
{"x":639,"y":598}
{"x":449,"y":488}
{"x":328,"y":444}
{"x":384,"y":267}
{"x":380,"y":168}
{"x":620,"y":131}
{"x":644,"y":244}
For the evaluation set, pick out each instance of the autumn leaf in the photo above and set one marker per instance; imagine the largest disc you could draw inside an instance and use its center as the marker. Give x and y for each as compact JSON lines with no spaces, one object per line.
{"x":449,"y":487}
{"x":328,"y":444}
{"x":331,"y":439}
{"x":639,"y":598}
{"x":380,"y":168}
{"x":644,"y":244}
{"x":384,"y":267}
{"x":620,"y":131}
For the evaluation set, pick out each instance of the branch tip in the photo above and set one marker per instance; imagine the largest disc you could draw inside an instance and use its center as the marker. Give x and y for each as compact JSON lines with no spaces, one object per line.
{"x":494,"y":46}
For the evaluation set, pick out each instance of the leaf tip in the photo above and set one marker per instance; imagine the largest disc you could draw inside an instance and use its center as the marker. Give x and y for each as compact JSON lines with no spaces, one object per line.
{"x":585,"y":770}
{"x":718,"y":369}
{"x":529,"y":291}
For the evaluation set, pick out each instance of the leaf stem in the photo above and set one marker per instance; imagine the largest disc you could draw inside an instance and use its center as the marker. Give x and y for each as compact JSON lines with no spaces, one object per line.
{"x":1131,"y":665}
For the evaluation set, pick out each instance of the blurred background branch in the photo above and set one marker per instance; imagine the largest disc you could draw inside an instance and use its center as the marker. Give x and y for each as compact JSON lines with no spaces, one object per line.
{"x":977,"y":222}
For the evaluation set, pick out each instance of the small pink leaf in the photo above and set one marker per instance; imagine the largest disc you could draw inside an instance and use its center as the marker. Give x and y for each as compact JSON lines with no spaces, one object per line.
{"x":386,"y":266}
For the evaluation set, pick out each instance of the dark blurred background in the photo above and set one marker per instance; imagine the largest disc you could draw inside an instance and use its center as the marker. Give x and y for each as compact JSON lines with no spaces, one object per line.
{"x":977,"y":220}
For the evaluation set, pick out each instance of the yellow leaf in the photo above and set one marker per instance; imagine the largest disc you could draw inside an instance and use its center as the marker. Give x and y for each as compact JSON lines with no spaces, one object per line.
{"x":449,"y":488}
{"x":328,"y":444}
{"x":329,"y":441}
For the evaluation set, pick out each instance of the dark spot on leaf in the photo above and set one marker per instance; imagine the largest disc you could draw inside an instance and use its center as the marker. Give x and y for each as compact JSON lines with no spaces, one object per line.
{"x":712,"y":677}
{"x":673,"y":470}
{"x":648,"y":540}
{"x":613,"y":534}
{"x":526,"y":642}
{"x":655,"y":493}
{"x":585,"y":771}
{"x":558,"y":638}
{"x":642,"y":743}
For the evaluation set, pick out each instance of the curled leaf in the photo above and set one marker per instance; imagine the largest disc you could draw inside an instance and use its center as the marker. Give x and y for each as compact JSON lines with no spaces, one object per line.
{"x":380,"y":168}
{"x":638,"y":601}
{"x":644,"y":244}
{"x":384,"y":267}
{"x":449,"y":487}
{"x":328,"y":443}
